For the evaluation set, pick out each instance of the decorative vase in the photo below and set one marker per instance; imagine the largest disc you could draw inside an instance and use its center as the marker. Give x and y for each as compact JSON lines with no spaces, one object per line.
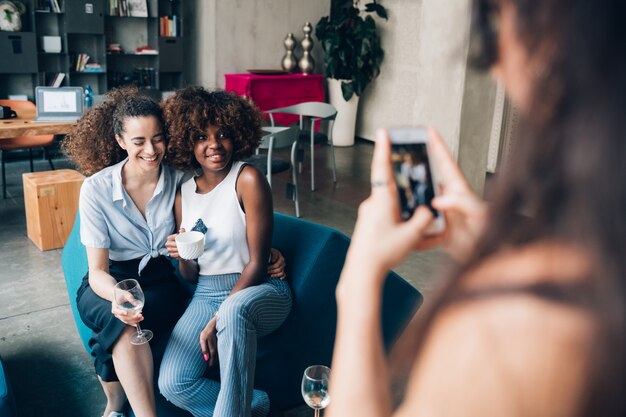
{"x":289,"y":61}
{"x":306,"y":63}
{"x":345,"y":122}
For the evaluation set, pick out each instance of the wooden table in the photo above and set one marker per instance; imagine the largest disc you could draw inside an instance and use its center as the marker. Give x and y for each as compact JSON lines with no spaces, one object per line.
{"x":23,"y":125}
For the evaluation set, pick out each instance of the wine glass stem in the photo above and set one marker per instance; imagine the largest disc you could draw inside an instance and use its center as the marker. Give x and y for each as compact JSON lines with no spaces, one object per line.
{"x":317,"y":412}
{"x":139,"y":331}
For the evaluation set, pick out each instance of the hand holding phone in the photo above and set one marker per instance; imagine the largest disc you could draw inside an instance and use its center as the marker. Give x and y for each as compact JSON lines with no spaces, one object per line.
{"x":412,"y":169}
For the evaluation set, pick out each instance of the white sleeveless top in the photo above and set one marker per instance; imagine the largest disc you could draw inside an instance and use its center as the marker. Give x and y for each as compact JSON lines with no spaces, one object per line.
{"x":225,"y":244}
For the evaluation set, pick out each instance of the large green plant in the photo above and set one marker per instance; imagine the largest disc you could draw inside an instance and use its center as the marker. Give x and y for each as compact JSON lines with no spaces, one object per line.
{"x":351,"y":45}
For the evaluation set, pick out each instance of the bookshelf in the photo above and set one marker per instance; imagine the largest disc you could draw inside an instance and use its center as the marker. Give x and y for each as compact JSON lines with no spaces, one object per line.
{"x":104,"y":43}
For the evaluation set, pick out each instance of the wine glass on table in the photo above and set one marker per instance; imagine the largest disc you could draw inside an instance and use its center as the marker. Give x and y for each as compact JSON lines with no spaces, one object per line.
{"x":315,"y":387}
{"x":129,"y":296}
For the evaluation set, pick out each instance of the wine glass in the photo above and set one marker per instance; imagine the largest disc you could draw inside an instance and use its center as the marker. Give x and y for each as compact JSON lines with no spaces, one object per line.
{"x":315,"y":387}
{"x":129,"y":296}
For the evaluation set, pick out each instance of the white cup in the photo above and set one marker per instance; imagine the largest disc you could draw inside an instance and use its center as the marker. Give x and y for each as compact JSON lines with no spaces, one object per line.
{"x":190,"y":244}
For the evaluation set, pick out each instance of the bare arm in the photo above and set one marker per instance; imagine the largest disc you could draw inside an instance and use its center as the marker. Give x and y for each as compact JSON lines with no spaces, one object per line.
{"x":100,"y":281}
{"x":360,"y":381}
{"x":256,"y":199}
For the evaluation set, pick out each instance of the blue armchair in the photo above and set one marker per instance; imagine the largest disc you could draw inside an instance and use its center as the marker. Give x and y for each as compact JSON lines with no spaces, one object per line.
{"x":7,"y":403}
{"x":315,"y":255}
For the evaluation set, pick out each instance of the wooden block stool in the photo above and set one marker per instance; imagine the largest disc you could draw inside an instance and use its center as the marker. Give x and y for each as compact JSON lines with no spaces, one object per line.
{"x":51,"y":202}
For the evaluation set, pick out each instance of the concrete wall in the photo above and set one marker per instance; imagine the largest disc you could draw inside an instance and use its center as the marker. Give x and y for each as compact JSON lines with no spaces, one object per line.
{"x":235,"y":35}
{"x":424,"y":78}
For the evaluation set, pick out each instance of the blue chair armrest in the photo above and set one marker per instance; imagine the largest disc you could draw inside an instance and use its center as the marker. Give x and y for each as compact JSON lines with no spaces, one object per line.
{"x":315,"y":256}
{"x":7,"y":402}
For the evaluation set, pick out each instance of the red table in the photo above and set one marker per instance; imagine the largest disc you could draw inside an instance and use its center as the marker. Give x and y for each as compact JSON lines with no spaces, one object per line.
{"x":274,"y":91}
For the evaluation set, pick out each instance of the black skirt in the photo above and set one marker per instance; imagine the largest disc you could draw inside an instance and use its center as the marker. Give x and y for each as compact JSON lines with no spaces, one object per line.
{"x":162,"y":309}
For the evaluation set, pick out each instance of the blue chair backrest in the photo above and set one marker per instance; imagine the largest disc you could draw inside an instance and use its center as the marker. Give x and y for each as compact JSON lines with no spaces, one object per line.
{"x":315,"y":255}
{"x":7,"y":402}
{"x":74,"y":263}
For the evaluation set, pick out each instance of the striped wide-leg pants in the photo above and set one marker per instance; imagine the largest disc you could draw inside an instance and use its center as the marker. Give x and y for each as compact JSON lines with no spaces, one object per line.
{"x":243,"y":317}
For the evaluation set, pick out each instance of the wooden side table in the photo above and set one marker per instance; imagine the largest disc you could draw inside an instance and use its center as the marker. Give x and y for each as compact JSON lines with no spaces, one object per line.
{"x":273,"y":91}
{"x":51,"y":202}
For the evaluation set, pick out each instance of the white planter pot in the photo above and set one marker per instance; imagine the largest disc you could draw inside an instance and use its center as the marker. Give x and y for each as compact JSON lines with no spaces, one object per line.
{"x":343,"y":129}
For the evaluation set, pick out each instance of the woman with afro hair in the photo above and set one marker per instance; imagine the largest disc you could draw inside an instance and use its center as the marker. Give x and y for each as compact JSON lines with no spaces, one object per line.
{"x":235,"y":301}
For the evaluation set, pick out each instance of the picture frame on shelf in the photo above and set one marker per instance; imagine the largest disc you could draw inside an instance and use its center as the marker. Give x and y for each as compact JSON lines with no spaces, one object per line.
{"x":137,"y":8}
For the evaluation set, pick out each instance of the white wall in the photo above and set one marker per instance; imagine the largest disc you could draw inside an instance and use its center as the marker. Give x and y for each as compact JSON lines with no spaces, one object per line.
{"x":232,"y":36}
{"x":425,"y":80}
{"x":422,"y":76}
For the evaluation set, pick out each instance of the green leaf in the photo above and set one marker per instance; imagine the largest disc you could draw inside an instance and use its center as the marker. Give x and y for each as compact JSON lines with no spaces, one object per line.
{"x":347,"y":90}
{"x":377,"y":8}
{"x":351,"y":45}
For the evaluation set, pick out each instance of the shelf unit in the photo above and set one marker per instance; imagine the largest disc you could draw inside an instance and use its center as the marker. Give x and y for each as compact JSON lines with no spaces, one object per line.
{"x":18,"y":66}
{"x":87,"y":27}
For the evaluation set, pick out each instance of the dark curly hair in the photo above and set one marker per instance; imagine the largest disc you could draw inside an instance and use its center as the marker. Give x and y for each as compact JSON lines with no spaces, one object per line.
{"x":91,"y":145}
{"x":189,"y":112}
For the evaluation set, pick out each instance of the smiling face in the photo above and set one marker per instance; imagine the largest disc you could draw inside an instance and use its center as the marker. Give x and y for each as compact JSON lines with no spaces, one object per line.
{"x":213,"y":150}
{"x":144,"y":140}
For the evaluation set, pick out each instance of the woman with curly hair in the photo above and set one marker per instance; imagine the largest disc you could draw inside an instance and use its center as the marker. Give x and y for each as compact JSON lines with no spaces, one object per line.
{"x":126,"y":210}
{"x":126,"y":215}
{"x":235,"y":301}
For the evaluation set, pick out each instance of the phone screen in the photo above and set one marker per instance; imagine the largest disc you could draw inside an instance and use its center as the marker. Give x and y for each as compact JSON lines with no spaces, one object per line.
{"x":413,"y":176}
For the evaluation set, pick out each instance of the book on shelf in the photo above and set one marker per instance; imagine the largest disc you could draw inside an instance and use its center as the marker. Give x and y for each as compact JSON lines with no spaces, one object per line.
{"x":146,"y":50}
{"x":93,"y":67}
{"x":54,"y":6}
{"x":118,"y":8}
{"x":58,"y":79}
{"x":168,"y":26}
{"x":79,"y":60}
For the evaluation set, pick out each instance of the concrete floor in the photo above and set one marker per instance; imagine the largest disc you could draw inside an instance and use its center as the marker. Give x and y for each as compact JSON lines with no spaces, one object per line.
{"x":51,"y":373}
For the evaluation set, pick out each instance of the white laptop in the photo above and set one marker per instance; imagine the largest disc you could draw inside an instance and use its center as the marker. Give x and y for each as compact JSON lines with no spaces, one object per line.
{"x":58,"y":104}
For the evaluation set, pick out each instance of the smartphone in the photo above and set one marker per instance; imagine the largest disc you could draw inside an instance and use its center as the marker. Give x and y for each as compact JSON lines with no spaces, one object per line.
{"x":413,"y":173}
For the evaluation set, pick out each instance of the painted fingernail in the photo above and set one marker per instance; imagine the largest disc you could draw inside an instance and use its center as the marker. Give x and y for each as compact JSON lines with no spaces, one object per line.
{"x":206,"y":357}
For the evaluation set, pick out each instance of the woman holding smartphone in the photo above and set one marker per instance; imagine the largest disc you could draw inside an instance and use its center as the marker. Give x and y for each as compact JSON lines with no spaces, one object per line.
{"x":531,"y":320}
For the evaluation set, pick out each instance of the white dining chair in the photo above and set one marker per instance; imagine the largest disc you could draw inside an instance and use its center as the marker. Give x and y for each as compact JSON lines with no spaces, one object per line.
{"x":315,"y":112}
{"x":275,"y":138}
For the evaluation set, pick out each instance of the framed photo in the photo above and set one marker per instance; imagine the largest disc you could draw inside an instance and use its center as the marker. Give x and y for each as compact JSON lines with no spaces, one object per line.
{"x":137,"y":8}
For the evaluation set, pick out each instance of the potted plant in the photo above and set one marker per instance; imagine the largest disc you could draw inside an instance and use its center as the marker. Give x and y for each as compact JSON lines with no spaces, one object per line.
{"x":352,"y":55}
